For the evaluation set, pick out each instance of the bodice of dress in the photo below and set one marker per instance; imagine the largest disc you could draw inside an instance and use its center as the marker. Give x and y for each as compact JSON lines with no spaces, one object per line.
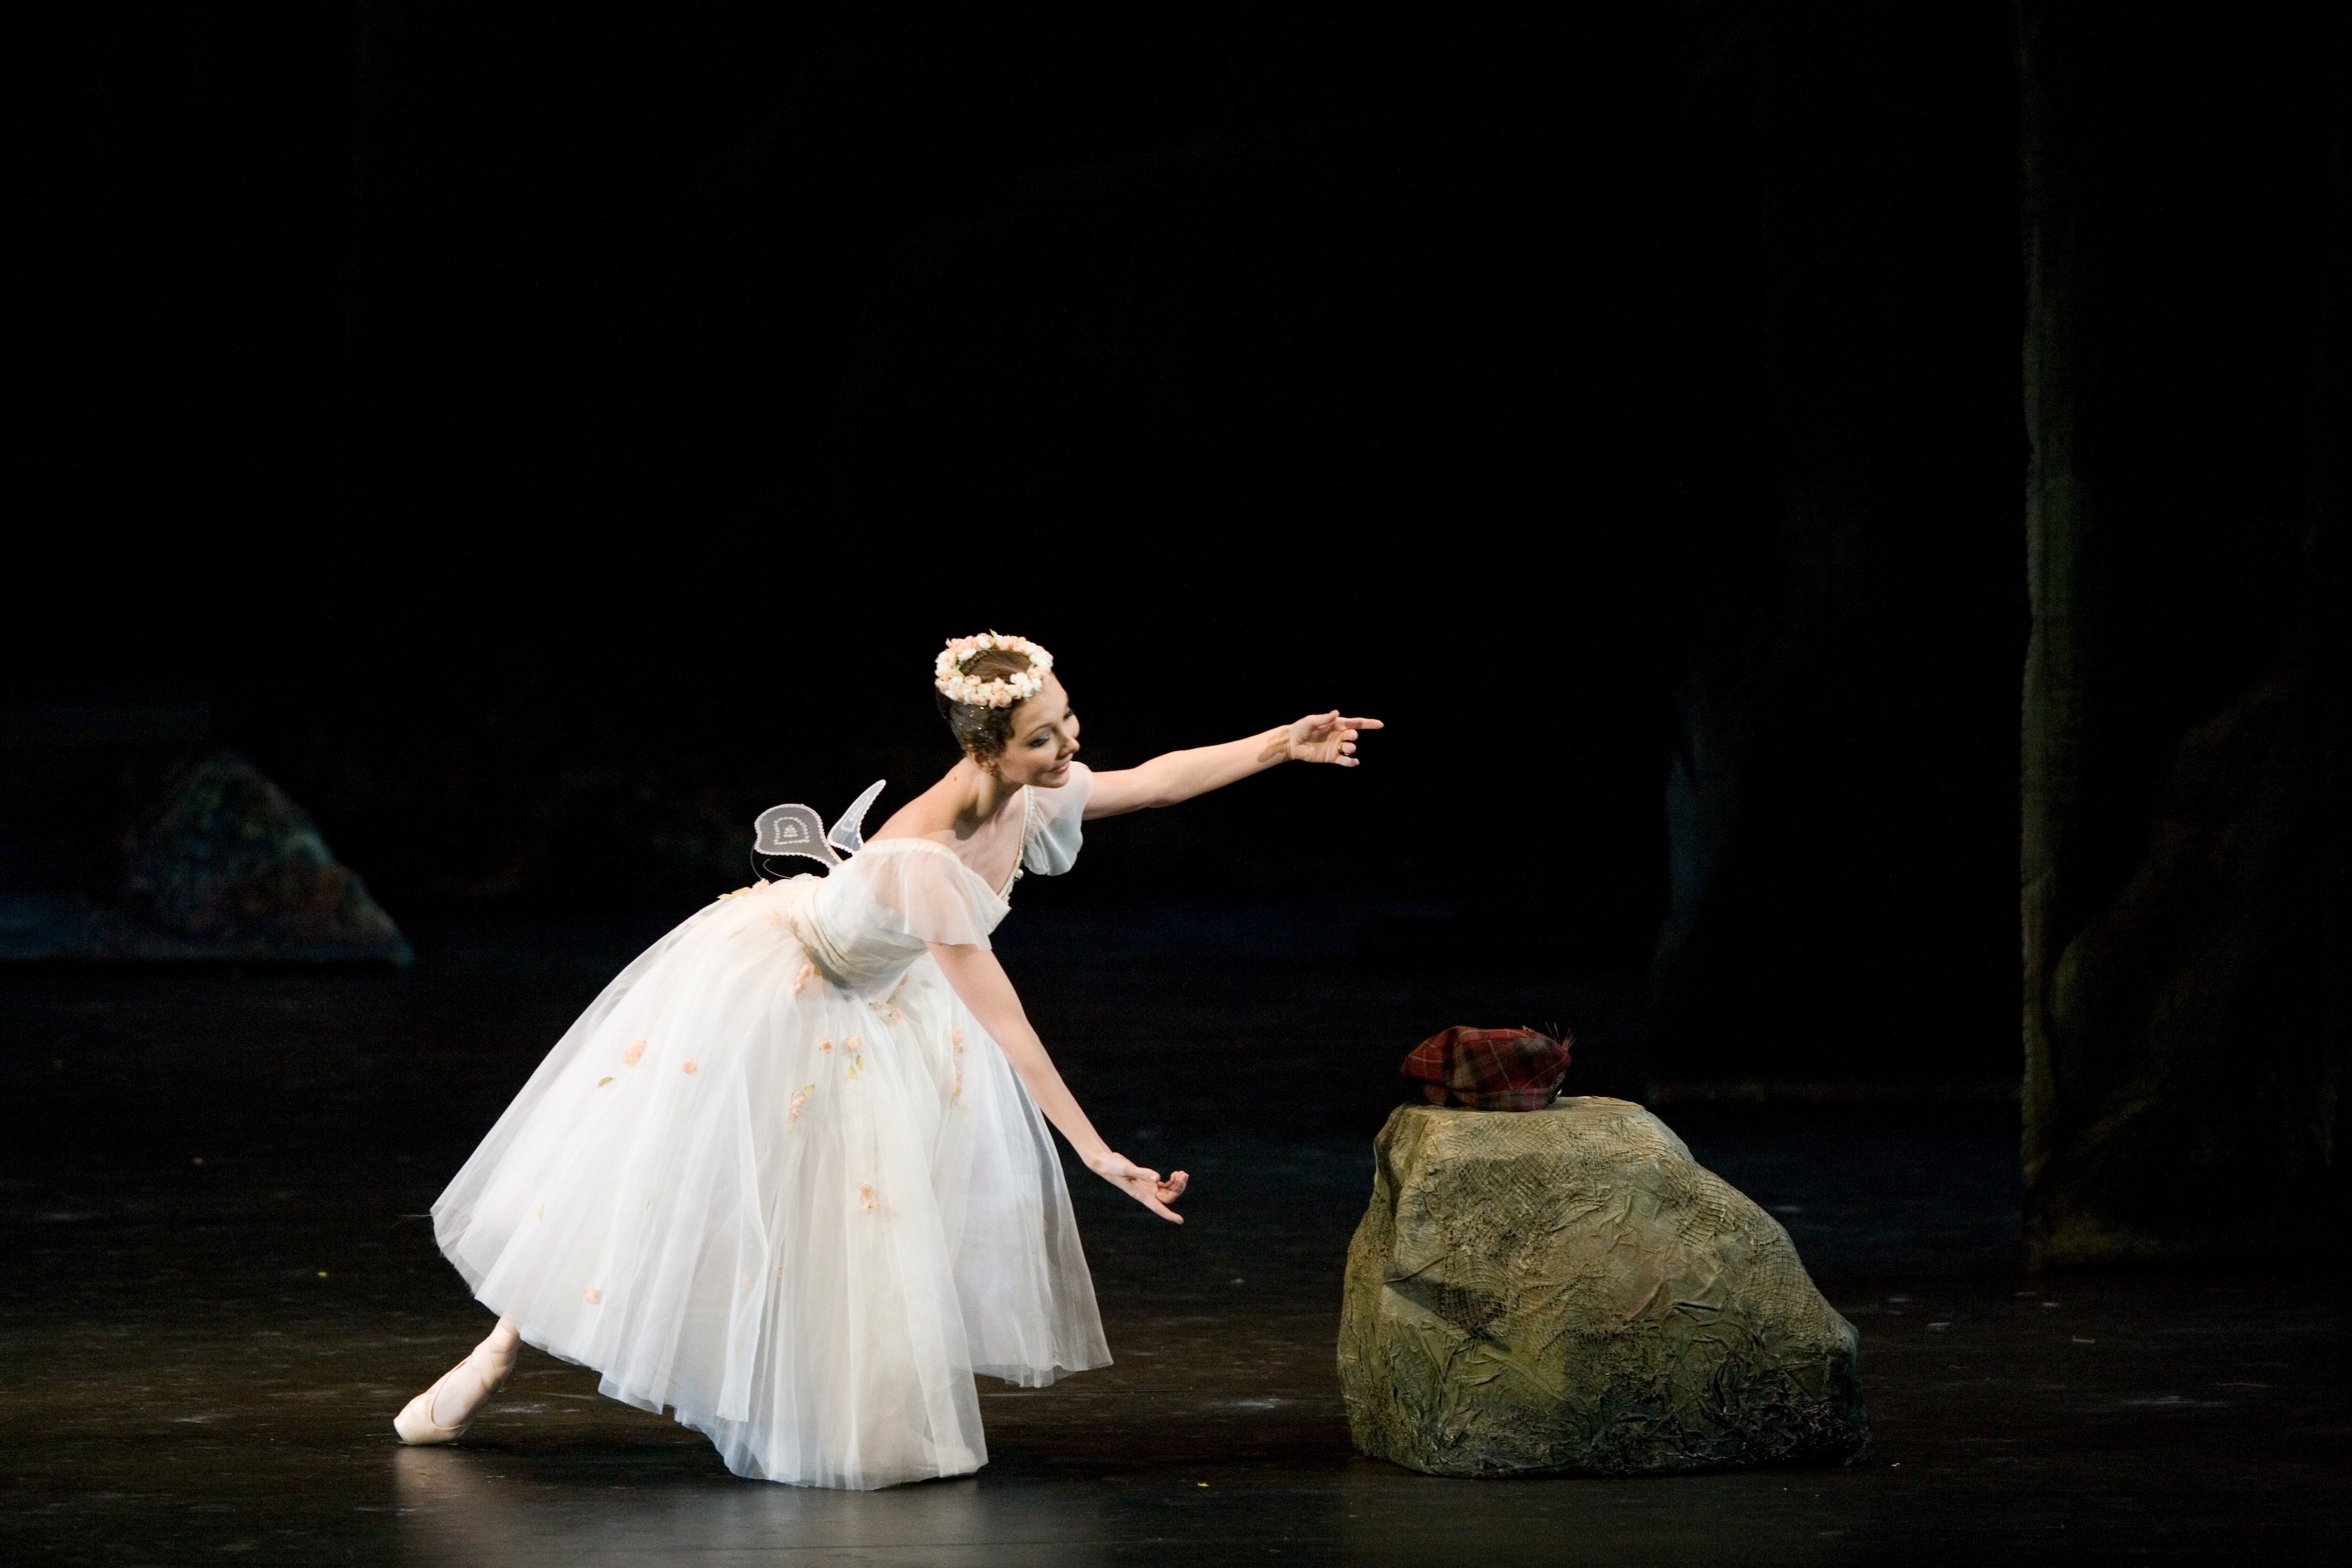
{"x":865,"y":922}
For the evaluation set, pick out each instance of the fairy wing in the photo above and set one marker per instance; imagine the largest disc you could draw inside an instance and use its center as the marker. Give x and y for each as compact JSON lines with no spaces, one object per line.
{"x":798,"y":830}
{"x":848,"y":834}
{"x":791,"y":830}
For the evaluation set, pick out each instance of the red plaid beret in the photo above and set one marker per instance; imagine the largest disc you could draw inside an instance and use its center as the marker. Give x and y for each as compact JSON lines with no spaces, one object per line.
{"x":1490,"y":1069}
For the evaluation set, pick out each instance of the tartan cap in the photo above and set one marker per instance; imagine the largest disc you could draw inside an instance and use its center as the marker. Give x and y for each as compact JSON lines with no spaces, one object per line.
{"x":1490,"y":1069}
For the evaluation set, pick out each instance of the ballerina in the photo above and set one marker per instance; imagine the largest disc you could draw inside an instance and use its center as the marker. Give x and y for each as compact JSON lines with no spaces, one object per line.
{"x":789,"y":1176}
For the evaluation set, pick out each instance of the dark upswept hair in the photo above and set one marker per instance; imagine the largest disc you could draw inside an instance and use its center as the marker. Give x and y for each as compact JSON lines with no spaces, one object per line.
{"x":983,"y":731}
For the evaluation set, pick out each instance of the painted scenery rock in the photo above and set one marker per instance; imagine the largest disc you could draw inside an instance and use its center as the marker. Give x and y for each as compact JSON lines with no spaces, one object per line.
{"x":222,"y":864}
{"x":232,"y":867}
{"x":1567,"y":1290}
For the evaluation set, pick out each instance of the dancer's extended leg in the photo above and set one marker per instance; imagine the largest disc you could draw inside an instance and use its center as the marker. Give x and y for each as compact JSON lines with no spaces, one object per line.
{"x":443,"y":1412}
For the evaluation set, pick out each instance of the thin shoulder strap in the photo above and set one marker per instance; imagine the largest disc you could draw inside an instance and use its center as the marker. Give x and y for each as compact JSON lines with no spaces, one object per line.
{"x":1028,"y":824}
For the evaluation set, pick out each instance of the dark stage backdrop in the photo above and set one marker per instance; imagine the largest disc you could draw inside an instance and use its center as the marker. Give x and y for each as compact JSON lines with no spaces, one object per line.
{"x":547,"y":438}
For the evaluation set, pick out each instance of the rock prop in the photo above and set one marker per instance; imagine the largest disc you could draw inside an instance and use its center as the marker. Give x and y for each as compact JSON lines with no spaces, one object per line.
{"x":228,"y":868}
{"x":1568,"y":1290}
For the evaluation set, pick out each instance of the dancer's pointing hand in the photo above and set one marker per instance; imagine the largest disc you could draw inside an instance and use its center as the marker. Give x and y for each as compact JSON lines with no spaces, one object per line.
{"x":1327,"y":738}
{"x":1143,"y":1185}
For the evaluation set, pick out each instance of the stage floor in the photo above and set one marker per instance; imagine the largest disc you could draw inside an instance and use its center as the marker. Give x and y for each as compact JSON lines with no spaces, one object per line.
{"x":218,"y":1294}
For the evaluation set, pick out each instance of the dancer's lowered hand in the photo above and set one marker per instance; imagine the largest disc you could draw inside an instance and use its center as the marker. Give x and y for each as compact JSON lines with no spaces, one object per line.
{"x":1142,"y":1184}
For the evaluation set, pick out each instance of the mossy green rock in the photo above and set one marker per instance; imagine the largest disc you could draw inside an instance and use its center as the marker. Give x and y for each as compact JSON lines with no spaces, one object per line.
{"x":1568,"y":1290}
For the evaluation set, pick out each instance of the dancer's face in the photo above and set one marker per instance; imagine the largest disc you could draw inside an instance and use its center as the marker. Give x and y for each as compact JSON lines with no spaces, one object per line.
{"x":1044,"y":739}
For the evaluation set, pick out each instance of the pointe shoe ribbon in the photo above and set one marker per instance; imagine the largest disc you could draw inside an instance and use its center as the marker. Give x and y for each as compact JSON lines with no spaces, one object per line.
{"x":414,"y":1423}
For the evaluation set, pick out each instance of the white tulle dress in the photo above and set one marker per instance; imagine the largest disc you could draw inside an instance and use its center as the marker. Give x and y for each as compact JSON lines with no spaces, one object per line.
{"x":778,"y":1180}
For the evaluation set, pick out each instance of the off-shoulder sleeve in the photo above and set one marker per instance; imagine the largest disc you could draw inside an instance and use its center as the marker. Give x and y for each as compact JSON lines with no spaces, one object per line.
{"x":1051,"y":846}
{"x":922,"y":890}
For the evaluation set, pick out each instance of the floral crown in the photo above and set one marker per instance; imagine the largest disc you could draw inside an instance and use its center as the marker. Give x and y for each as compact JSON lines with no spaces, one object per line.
{"x":997,"y":690}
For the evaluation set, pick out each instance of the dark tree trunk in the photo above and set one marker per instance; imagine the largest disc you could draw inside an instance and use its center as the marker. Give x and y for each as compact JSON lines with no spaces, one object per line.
{"x":2182,"y":229}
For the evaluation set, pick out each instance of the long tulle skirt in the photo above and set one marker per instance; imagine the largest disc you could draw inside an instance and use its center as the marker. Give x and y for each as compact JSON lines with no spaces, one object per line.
{"x":801,"y":1217}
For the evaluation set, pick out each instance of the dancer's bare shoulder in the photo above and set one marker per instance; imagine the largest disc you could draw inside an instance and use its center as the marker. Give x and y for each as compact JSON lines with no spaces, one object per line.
{"x":937,"y":813}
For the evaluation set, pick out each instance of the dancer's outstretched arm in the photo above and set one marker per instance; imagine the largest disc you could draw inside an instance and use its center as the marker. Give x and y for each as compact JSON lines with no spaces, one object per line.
{"x":1180,"y":775}
{"x":982,"y":983}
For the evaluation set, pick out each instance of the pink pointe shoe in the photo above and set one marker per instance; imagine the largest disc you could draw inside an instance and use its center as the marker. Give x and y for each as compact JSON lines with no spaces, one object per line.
{"x":415,"y":1423}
